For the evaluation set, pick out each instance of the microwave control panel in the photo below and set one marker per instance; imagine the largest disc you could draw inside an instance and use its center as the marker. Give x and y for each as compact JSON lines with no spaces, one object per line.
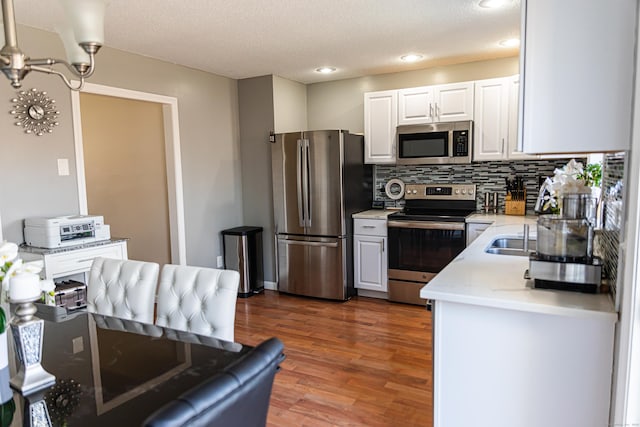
{"x":460,"y":143}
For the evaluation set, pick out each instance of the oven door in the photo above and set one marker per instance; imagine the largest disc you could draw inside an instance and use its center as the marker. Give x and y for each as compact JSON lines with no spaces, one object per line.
{"x":418,"y":247}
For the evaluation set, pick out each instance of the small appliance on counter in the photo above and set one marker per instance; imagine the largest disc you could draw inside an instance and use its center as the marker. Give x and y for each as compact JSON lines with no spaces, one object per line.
{"x":63,"y":231}
{"x":564,"y":257}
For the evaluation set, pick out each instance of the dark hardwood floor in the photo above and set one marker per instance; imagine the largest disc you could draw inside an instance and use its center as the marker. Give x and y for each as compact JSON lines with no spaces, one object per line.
{"x":365,"y":362}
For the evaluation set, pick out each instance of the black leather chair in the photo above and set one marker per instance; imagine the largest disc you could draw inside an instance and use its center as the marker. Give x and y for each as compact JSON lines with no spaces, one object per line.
{"x":239,"y":396}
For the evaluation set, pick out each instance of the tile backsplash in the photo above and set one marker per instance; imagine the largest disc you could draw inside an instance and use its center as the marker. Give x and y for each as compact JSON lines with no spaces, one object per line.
{"x":607,"y":244}
{"x":488,"y":176}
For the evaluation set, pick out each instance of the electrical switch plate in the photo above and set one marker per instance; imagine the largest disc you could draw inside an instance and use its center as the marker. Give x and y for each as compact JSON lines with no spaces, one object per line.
{"x":63,"y":167}
{"x":220,"y":262}
{"x":78,"y":345}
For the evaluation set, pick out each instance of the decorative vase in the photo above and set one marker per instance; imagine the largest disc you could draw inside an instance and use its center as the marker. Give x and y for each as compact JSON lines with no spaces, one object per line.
{"x":28,"y":333}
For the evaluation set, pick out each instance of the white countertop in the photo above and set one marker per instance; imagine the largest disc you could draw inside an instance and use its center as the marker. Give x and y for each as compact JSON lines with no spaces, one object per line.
{"x":375,"y":214}
{"x":476,"y":277}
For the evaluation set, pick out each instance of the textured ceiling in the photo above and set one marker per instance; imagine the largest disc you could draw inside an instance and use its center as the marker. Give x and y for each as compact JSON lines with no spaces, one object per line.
{"x":291,"y":38}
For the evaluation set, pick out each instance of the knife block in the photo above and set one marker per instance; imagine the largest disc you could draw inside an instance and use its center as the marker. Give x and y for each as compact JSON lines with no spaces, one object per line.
{"x":515,"y":207}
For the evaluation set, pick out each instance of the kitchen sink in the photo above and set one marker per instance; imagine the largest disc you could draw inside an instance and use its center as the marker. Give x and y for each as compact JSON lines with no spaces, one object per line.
{"x":510,"y":246}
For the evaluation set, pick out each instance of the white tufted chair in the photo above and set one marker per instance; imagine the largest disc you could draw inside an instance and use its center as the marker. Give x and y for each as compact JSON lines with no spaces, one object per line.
{"x":126,"y":325}
{"x":198,"y":300}
{"x":123,"y":288}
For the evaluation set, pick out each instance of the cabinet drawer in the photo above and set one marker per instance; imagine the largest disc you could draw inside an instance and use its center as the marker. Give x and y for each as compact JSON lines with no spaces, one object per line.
{"x":67,"y":263}
{"x":370,"y":227}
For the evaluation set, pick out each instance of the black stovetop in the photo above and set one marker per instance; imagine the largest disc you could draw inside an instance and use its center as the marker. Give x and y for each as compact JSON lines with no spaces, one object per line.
{"x":444,"y":216}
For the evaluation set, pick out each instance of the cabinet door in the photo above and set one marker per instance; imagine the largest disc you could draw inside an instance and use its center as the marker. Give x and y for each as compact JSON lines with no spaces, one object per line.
{"x":370,"y":259}
{"x":492,"y":119}
{"x":453,"y":102}
{"x":380,"y":121}
{"x":513,"y":136}
{"x":415,"y":105}
{"x":474,"y":229}
{"x":578,"y":76}
{"x":514,"y":142}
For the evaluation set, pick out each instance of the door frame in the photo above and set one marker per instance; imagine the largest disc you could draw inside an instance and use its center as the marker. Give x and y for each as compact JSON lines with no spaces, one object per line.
{"x":172,"y":156}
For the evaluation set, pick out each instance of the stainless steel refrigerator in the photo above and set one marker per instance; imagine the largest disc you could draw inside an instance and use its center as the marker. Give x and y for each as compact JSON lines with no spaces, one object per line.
{"x":319,"y":181}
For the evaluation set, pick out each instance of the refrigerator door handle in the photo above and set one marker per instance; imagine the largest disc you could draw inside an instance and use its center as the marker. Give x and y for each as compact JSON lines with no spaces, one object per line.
{"x":300,"y":183}
{"x":308,"y":182}
{"x":307,"y":243}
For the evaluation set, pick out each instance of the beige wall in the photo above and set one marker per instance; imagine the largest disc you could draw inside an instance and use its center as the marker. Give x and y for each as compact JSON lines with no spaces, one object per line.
{"x":208,"y":117}
{"x":289,"y":105}
{"x":340,"y":104}
{"x":126,"y":175}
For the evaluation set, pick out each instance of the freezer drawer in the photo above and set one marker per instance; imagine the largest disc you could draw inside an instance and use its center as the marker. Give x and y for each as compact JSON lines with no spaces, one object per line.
{"x":313,"y":267}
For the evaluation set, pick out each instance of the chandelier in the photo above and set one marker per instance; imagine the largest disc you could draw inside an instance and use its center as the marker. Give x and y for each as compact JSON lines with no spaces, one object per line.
{"x":82,"y":35}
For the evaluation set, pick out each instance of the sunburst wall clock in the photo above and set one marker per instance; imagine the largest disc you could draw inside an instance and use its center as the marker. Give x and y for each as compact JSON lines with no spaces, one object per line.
{"x":35,"y":112}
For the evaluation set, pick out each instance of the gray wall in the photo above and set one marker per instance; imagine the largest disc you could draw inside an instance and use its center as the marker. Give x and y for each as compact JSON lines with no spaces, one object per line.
{"x":267,"y":103}
{"x":340,"y":104}
{"x":208,"y":110}
{"x":256,"y":121}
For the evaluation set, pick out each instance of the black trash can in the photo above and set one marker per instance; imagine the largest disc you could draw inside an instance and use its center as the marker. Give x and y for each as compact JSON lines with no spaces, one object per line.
{"x":242,"y":248}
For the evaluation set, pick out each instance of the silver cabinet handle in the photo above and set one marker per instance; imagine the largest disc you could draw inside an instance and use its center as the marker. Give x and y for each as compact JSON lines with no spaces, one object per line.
{"x":437,"y":113}
{"x":430,"y":110}
{"x":502,"y":149}
{"x":368,"y":226}
{"x":382,"y":245}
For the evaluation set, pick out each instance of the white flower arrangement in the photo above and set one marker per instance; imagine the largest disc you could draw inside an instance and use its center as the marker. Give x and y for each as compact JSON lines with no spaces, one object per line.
{"x":566,"y":180}
{"x":20,"y":280}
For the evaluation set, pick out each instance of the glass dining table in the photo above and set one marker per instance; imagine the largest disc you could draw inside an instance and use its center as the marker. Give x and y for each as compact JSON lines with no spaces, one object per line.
{"x":114,"y":372}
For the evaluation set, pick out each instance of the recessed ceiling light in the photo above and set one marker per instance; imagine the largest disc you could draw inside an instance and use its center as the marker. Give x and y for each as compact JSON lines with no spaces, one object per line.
{"x":510,"y":43}
{"x":492,"y":4}
{"x":412,"y":57}
{"x":325,"y":70}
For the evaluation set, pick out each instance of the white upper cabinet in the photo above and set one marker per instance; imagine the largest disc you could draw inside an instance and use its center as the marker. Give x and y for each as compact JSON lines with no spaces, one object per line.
{"x":415,"y":105}
{"x":577,"y":75}
{"x":431,"y":104}
{"x":495,"y":133}
{"x":491,"y":125}
{"x":380,"y":122}
{"x":453,"y":102}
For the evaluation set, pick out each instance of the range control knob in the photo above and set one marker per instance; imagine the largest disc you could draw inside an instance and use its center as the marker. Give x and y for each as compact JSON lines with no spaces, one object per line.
{"x":471,"y":191}
{"x":457,"y":191}
{"x":464,"y":191}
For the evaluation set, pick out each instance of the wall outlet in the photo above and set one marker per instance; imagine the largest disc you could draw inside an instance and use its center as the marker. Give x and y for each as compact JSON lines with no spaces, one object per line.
{"x":220,"y":261}
{"x":63,"y":167}
{"x":77,"y":344}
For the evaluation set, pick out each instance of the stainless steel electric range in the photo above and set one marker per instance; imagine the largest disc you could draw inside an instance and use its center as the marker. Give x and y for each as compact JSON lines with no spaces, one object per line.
{"x":426,"y":236}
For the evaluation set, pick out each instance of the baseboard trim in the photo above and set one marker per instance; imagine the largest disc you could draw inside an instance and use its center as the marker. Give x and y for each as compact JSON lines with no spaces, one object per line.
{"x":272,"y":286}
{"x":372,"y":294}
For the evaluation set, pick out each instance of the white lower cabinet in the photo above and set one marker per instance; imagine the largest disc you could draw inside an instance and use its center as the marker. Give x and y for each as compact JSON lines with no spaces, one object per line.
{"x":370,"y":254}
{"x":474,"y":229}
{"x":496,"y":367}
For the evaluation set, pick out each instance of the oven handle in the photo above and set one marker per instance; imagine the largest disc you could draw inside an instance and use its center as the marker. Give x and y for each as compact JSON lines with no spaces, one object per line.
{"x":427,"y":225}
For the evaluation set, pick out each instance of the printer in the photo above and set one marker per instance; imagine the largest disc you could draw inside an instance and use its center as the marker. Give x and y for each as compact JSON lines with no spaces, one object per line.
{"x":65,"y":231}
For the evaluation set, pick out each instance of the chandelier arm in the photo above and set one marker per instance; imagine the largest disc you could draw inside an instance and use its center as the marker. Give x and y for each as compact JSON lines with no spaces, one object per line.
{"x":59,"y":74}
{"x":88,"y":71}
{"x":5,"y":60}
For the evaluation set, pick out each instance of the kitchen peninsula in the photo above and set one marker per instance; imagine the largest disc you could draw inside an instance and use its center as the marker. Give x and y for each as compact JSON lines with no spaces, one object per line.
{"x":506,"y":354}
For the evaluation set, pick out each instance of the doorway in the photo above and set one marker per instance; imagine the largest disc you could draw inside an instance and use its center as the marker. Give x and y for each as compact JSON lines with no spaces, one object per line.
{"x":128,"y":166}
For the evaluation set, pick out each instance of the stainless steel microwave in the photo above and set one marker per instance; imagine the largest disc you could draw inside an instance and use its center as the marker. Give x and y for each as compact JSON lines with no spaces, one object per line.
{"x":437,"y":143}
